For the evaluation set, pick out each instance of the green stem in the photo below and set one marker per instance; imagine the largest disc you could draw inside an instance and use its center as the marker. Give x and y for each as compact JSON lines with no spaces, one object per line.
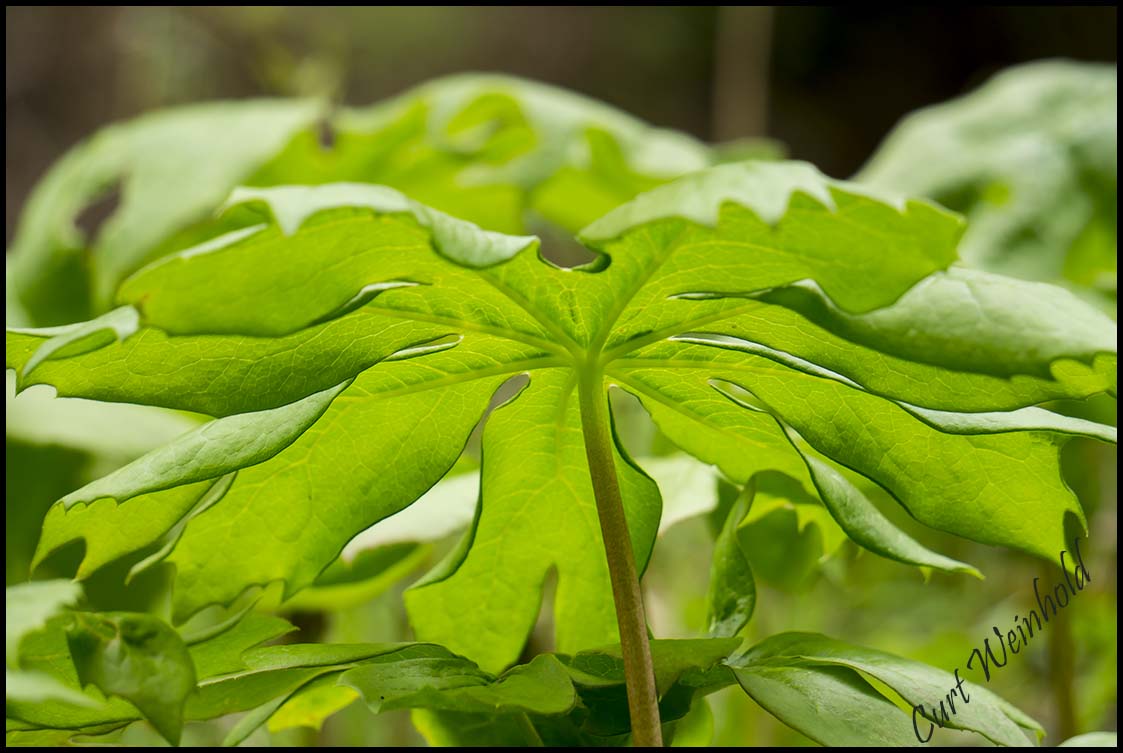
{"x":639,"y":672}
{"x":1062,"y":656}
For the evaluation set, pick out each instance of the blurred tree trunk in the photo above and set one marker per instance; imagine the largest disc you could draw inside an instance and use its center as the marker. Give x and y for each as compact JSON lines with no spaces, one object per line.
{"x":742,"y":51}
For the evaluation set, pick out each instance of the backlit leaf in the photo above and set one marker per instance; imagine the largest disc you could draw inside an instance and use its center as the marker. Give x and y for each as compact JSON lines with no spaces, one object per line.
{"x":350,"y":343}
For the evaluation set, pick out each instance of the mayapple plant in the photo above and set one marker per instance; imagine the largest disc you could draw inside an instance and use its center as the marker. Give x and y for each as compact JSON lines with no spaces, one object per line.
{"x":350,"y":314}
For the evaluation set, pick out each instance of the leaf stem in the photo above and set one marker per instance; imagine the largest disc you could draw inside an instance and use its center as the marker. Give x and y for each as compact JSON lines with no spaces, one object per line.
{"x":639,"y":672}
{"x":1062,"y":652}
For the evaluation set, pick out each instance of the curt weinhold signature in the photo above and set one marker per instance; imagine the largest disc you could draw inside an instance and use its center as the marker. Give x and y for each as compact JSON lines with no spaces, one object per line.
{"x":1062,"y":592}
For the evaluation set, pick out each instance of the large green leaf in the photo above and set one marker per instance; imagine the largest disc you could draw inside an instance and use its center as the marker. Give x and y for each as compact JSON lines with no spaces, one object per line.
{"x":173,"y":168}
{"x":688,"y":489}
{"x":489,"y":148}
{"x":831,"y":705}
{"x":1031,"y":157}
{"x":493,"y":149}
{"x":797,"y":675}
{"x":357,"y":337}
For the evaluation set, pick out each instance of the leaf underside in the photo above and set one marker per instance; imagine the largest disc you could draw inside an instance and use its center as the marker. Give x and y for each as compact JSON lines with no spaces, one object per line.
{"x":767,"y":318}
{"x":496,"y":150}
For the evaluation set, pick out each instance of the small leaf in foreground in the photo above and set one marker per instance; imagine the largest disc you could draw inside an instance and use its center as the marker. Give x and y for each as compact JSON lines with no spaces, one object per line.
{"x":139,"y":658}
{"x":805,"y":663}
{"x":732,"y":593}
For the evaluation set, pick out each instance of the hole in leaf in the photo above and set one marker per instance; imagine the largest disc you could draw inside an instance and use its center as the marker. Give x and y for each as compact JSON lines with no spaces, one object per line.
{"x":506,"y":392}
{"x":90,"y":219}
{"x":636,"y":430}
{"x":541,"y":637}
{"x":563,"y":251}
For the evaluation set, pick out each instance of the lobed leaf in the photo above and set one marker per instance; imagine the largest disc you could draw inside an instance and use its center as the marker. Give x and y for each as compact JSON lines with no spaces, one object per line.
{"x":218,"y":145}
{"x":798,"y":671}
{"x":1031,"y":158}
{"x":412,"y":320}
{"x":492,"y":149}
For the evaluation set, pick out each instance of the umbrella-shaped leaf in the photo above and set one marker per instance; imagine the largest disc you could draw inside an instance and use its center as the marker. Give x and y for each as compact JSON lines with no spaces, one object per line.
{"x":349,"y":343}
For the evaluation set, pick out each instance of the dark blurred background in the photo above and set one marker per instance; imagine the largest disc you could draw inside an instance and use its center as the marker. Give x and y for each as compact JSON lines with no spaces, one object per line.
{"x":827,"y":82}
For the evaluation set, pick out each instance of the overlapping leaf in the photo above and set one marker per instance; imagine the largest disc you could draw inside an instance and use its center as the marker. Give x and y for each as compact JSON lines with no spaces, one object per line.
{"x":137,"y":657}
{"x":234,"y":677}
{"x":1031,"y":158}
{"x":772,"y":529}
{"x":487,"y":148}
{"x":174,"y":168}
{"x":767,"y":318}
{"x":27,"y":609}
{"x":493,"y":149}
{"x":799,"y":676}
{"x":127,"y":667}
{"x":304,"y":683}
{"x":813,"y":683}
